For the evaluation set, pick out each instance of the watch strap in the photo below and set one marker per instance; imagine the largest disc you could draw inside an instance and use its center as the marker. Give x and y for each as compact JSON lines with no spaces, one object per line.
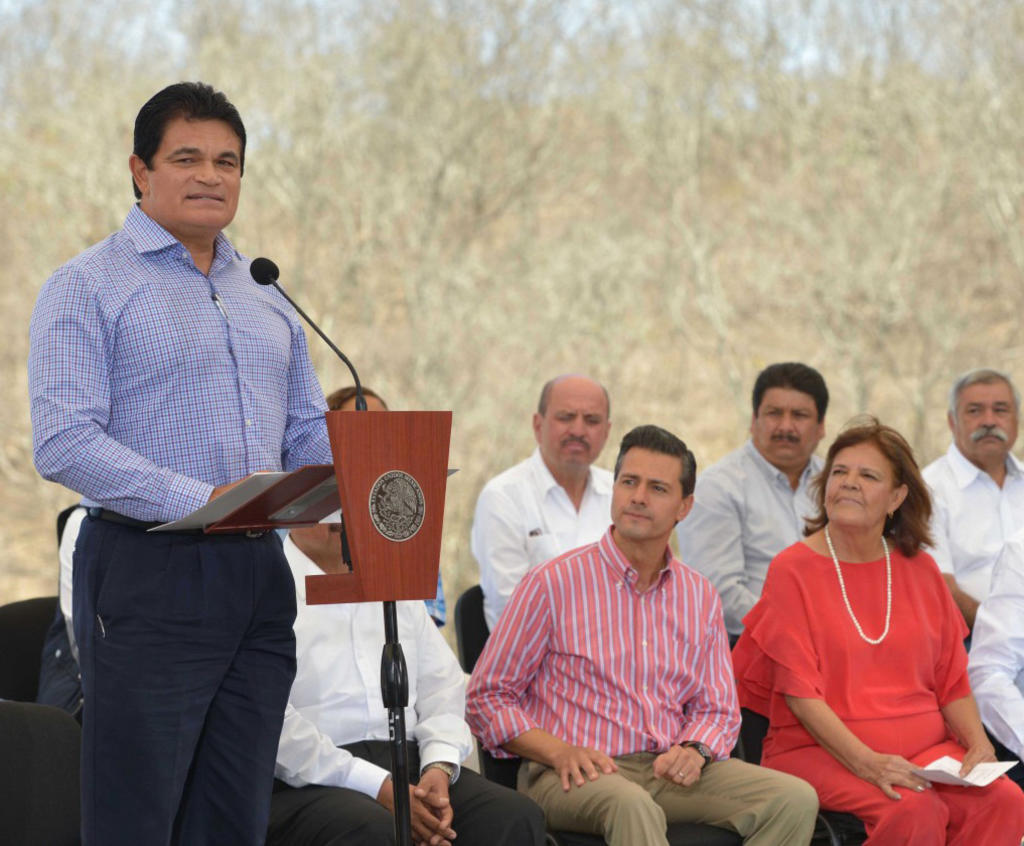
{"x":443,"y":766}
{"x":701,"y":749}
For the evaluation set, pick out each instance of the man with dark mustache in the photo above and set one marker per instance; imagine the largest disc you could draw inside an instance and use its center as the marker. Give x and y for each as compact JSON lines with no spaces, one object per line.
{"x":553,"y":501}
{"x":751,"y":504}
{"x":977,"y":486}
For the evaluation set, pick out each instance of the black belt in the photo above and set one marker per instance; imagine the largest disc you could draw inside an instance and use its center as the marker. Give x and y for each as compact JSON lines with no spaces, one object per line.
{"x":146,"y":525}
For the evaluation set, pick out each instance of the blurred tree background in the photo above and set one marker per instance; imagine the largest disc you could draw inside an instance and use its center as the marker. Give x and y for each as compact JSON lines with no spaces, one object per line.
{"x":474,"y":195}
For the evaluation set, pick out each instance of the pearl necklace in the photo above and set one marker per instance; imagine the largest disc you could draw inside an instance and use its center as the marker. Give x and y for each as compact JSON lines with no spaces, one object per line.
{"x":846,"y":599}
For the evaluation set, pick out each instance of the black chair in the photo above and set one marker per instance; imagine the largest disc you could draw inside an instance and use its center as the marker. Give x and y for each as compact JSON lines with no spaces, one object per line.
{"x":39,"y":745}
{"x":23,"y":627}
{"x":471,"y":634}
{"x":834,"y":827}
{"x":39,"y":780}
{"x":471,"y":630}
{"x":62,"y":521}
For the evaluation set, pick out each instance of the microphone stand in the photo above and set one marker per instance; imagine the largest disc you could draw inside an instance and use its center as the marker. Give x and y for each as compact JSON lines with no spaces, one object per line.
{"x":394,"y":686}
{"x":360,"y":399}
{"x":394,"y":673}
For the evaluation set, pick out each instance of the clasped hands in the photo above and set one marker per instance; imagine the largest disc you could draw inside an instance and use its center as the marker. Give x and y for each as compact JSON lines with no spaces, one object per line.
{"x":579,"y":764}
{"x":430,"y":808}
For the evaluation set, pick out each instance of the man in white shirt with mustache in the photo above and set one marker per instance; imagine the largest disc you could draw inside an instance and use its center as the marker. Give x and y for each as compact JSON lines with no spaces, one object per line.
{"x":553,"y":501}
{"x":977,"y":486}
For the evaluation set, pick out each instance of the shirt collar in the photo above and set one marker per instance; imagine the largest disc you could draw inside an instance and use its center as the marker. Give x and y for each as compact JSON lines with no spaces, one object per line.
{"x":772,"y":472}
{"x":613,"y":557}
{"x":546,"y":482}
{"x":148,"y":236}
{"x":966,"y":471}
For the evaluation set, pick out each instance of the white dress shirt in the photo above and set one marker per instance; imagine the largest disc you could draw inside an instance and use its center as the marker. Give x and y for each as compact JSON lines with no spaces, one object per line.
{"x":524,"y":518}
{"x":744,"y":514}
{"x":996,"y":663}
{"x":336,"y":696}
{"x":972,"y":517}
{"x":66,"y":553}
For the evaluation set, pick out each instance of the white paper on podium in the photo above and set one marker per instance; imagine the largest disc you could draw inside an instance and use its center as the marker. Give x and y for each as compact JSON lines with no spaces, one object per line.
{"x":227,"y":502}
{"x":945,"y":770}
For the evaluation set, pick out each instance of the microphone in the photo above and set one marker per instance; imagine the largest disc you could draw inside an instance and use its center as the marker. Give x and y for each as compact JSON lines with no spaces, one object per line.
{"x":265,"y":272}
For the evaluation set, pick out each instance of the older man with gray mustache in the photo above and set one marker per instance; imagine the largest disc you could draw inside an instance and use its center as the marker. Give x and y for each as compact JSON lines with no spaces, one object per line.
{"x":977,"y":486}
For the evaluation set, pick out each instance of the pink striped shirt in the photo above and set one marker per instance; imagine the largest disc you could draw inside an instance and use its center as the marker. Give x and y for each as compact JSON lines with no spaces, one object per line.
{"x":580,"y":653}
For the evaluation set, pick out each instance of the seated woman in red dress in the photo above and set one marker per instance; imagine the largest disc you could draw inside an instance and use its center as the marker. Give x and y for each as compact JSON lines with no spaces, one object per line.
{"x":855,"y":654}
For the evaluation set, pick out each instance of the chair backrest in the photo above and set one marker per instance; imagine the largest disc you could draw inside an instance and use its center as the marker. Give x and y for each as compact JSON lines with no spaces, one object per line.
{"x":503,"y":771}
{"x":471,"y":630}
{"x":834,"y":827}
{"x":471,"y":634}
{"x":62,"y":521}
{"x":39,"y":779}
{"x":23,"y":628}
{"x":753,"y":728}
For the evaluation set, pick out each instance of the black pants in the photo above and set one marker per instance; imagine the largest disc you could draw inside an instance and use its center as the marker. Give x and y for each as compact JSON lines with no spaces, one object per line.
{"x":187,"y":656}
{"x":60,"y":683}
{"x":485,"y":814}
{"x":1016,"y":772}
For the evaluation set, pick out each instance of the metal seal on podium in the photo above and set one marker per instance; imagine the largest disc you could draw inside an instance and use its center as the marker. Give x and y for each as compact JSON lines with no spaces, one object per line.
{"x":396,"y":505}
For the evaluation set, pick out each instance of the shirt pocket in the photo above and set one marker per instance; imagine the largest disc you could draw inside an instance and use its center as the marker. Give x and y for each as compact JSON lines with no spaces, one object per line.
{"x":541,"y":548}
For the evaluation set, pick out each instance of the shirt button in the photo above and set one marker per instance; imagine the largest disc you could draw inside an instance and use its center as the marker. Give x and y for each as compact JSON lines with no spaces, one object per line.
{"x":643,"y":643}
{"x":248,"y":422}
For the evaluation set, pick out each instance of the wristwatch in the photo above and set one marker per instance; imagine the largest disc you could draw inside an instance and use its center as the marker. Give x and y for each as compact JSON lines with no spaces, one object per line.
{"x":443,"y":766}
{"x":701,"y":749}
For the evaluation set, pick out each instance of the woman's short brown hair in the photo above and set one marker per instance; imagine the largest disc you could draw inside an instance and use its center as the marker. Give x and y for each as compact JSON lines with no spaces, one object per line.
{"x":341,"y":396}
{"x":908,"y":526}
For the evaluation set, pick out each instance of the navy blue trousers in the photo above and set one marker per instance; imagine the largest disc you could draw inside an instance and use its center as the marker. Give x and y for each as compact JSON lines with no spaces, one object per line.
{"x":60,"y":683}
{"x":187,"y":657}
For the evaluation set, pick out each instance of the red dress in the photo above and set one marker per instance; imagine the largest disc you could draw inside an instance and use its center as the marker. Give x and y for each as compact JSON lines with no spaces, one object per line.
{"x":799,"y":640}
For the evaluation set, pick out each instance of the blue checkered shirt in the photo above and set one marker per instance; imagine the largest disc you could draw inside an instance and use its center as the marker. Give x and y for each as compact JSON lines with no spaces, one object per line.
{"x":146,"y":392}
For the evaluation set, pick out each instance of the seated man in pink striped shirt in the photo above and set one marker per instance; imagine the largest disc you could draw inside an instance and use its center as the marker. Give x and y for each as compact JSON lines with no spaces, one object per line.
{"x":609,"y":673}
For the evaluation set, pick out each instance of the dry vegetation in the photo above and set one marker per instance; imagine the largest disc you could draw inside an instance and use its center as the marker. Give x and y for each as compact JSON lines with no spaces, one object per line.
{"x":474,"y":195}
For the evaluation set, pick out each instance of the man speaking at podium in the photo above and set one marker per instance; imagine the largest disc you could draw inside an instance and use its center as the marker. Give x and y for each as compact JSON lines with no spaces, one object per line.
{"x":160,"y":374}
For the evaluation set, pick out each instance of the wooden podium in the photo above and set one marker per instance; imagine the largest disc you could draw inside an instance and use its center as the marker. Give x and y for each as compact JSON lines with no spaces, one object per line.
{"x":389,"y":478}
{"x":392,"y":469}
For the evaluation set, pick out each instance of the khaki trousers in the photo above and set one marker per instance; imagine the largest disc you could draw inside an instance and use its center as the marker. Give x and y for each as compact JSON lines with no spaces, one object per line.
{"x":632,"y":807}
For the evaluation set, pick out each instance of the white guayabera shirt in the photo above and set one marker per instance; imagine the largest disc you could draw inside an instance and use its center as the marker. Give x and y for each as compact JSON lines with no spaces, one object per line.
{"x":524,"y":517}
{"x":996,"y":666}
{"x":972,"y":517}
{"x":336,"y":696}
